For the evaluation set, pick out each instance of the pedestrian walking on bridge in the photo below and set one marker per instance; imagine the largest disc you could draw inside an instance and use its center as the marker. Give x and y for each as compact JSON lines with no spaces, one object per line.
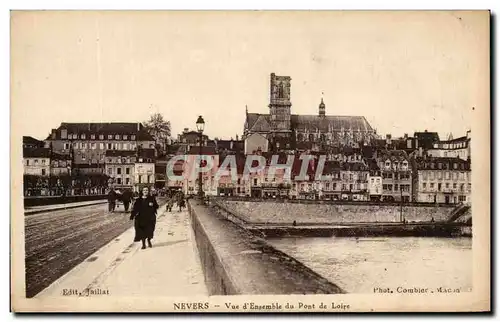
{"x":144,"y":216}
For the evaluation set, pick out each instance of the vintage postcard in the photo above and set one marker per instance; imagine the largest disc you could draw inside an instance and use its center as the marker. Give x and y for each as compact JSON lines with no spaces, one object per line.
{"x":250,"y":161}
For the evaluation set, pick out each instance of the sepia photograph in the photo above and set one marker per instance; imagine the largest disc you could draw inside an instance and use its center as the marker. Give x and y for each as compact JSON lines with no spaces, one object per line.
{"x":250,"y":161}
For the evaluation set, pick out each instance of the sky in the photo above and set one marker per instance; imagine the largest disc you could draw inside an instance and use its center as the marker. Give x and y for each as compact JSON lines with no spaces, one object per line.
{"x":403,"y":71}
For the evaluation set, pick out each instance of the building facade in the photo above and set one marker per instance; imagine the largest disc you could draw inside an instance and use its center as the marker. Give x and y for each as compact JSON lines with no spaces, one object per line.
{"x":89,"y":142}
{"x":396,"y":173}
{"x":443,"y":180}
{"x":453,"y":148}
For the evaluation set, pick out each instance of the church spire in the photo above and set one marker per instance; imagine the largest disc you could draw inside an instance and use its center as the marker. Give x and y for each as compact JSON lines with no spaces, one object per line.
{"x":322,"y":106}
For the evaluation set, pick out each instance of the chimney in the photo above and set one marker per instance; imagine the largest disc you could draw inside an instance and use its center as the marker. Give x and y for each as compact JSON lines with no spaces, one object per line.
{"x":138,"y":126}
{"x":231,"y":145}
{"x":406,"y":135}
{"x":53,"y":134}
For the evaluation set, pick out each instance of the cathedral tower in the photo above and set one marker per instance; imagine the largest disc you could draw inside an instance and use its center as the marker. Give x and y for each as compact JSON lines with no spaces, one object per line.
{"x":280,"y":105}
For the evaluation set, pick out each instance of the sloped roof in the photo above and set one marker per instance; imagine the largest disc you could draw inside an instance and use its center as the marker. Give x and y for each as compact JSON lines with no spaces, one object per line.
{"x":258,"y":122}
{"x":32,"y":141}
{"x":333,"y":122}
{"x":110,"y":128}
{"x":393,"y":155}
{"x":36,"y":153}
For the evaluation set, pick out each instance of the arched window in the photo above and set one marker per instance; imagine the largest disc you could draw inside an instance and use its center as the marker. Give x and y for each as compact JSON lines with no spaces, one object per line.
{"x":311,"y":137}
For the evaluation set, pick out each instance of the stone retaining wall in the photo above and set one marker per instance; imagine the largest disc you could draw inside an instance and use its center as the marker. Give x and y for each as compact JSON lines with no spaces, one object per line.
{"x":285,"y":213}
{"x":235,"y":261}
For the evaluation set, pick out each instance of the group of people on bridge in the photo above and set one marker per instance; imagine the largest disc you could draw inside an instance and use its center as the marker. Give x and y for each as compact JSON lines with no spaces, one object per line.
{"x":144,"y":209}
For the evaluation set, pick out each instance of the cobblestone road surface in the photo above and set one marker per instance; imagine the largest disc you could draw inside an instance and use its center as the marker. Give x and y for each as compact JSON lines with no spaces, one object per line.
{"x":57,"y":241}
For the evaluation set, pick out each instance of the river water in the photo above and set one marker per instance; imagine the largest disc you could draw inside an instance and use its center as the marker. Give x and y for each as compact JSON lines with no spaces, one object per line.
{"x":360,"y":265}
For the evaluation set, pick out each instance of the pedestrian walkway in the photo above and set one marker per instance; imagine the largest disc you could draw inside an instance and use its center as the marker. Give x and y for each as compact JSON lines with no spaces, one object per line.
{"x":121,"y":268}
{"x":38,"y":209}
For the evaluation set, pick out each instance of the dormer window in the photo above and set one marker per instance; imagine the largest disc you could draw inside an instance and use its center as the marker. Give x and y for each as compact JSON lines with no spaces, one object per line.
{"x":110,"y":137}
{"x":132,"y":137}
{"x":125,"y":137}
{"x":117,"y":137}
{"x":387,"y":164}
{"x":83,"y":136}
{"x":92,"y":137}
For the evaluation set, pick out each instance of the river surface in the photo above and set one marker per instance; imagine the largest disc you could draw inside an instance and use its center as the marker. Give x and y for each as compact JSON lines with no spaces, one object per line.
{"x":359,"y":266}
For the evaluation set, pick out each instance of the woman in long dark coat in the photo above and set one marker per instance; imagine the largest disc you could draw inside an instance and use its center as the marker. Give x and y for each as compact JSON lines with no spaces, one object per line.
{"x":144,"y":213}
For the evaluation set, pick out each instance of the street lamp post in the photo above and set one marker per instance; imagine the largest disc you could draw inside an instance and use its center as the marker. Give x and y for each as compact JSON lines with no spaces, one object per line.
{"x":200,"y":125}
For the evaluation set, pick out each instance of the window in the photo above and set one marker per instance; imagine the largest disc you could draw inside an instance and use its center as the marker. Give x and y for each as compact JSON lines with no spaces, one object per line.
{"x":43,"y":172}
{"x":387,"y":164}
{"x":440,"y":175}
{"x":75,"y":145}
{"x":462,"y":198}
{"x":117,"y":137}
{"x":110,"y":170}
{"x":83,"y":136}
{"x":461,"y":187}
{"x":94,"y":146}
{"x":447,"y":175}
{"x":396,"y":187}
{"x":110,"y":137}
{"x":84,"y":156}
{"x":255,"y":181}
{"x":66,"y":146}
{"x":36,"y":161}
{"x":125,"y":137}
{"x":27,"y":162}
{"x":43,"y":162}
{"x":132,"y":137}
{"x":125,"y":146}
{"x":447,"y":185}
{"x":92,"y":136}
{"x":439,"y":186}
{"x":127,"y":170}
{"x":432,"y":185}
{"x":84,"y":145}
{"x":101,"y":137}
{"x":424,"y":185}
{"x":101,"y":146}
{"x":454,"y":186}
{"x":455,"y":166}
{"x":119,"y":180}
{"x":118,"y":170}
{"x":127,"y":181}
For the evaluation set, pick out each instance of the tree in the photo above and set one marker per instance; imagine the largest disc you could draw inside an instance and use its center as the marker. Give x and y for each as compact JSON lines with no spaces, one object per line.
{"x":159,"y":128}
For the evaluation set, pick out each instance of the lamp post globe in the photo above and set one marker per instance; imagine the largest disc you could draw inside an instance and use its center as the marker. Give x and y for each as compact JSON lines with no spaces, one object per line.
{"x":200,"y":124}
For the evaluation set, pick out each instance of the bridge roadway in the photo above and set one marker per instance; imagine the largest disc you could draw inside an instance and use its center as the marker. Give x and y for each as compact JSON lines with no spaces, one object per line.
{"x":56,"y":241}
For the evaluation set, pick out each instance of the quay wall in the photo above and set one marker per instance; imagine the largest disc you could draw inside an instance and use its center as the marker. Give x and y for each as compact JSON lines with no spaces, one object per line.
{"x":235,"y":261}
{"x":257,"y":212}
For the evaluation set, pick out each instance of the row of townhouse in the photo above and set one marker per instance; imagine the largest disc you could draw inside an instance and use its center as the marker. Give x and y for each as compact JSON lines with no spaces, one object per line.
{"x":387,"y":176}
{"x":122,"y":153}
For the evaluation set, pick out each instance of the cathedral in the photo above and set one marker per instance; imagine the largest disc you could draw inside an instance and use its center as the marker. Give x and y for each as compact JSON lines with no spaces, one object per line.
{"x":282,"y":130}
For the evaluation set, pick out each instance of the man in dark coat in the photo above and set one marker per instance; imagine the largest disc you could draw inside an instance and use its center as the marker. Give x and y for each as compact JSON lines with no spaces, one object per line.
{"x":111,"y":200}
{"x":126,"y":198}
{"x":144,"y":213}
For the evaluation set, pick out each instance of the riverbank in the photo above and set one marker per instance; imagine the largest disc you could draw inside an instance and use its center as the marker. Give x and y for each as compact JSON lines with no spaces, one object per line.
{"x":365,"y":230}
